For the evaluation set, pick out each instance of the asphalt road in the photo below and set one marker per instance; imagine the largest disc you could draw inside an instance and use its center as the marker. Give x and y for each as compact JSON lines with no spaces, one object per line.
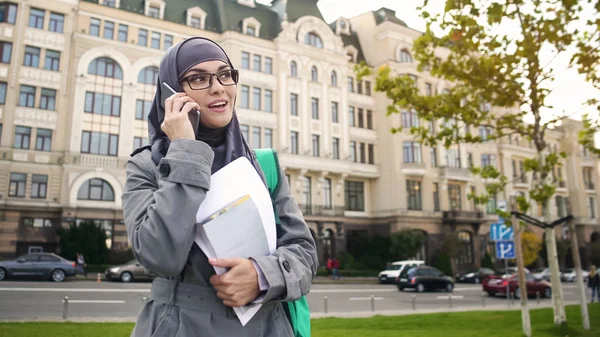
{"x":31,"y":300}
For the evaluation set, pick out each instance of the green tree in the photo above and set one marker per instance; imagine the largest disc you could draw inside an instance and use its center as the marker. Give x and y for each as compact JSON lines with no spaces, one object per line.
{"x":87,"y":238}
{"x":487,"y":262}
{"x":406,"y":243}
{"x":496,"y":78}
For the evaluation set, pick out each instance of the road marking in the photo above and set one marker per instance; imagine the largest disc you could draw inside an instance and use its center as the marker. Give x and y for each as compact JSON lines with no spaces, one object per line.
{"x":453,"y":297}
{"x":97,"y":301}
{"x":75,"y":290}
{"x":364,"y":298}
{"x":317,"y":291}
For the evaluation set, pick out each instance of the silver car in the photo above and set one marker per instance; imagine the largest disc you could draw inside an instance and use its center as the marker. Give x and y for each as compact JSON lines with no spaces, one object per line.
{"x":38,"y":265}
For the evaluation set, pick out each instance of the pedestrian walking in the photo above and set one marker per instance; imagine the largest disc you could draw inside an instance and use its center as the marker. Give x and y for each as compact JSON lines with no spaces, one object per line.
{"x":80,"y":264}
{"x":594,"y":283}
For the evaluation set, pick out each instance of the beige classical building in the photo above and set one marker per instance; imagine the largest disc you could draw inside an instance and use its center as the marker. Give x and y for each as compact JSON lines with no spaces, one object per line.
{"x":77,"y":79}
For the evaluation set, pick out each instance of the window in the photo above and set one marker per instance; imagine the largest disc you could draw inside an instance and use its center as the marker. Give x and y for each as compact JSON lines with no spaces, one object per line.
{"x":109,"y":30}
{"x":256,"y":93}
{"x":43,"y":141}
{"x":314,"y":107}
{"x":359,"y":87}
{"x":294,"y":104}
{"x":168,"y":41}
{"x":485,"y":133}
{"x":99,"y":143}
{"x":268,"y":138}
{"x":139,"y":142}
{"x":369,"y":119}
{"x":8,"y":12}
{"x":123,"y":30}
{"x":327,"y":193}
{"x":195,"y":22}
{"x":315,"y":146}
{"x":39,"y":186}
{"x":488,"y":160}
{"x":143,"y":37}
{"x":294,"y":142}
{"x":22,"y":137}
{"x":17,"y":185}
{"x":110,"y":3}
{"x":410,"y":119}
{"x":405,"y":56}
{"x":307,"y":191}
{"x":592,"y":207}
{"x":588,"y":179}
{"x":313,"y":39}
{"x":36,"y":18}
{"x":95,"y":27}
{"x":353,"y":151}
{"x":334,"y":79}
{"x":428,"y":89}
{"x":32,"y":57}
{"x":368,"y":88}
{"x":293,"y":69}
{"x":39,"y":222}
{"x":336,"y":148}
{"x":361,"y":119}
{"x":314,"y":74}
{"x":436,"y":197}
{"x":350,"y":84}
{"x":107,"y":67}
{"x":268,"y":65}
{"x":148,"y":75}
{"x":96,"y":189}
{"x":413,"y":194}
{"x":355,"y":196}
{"x":154,"y":12}
{"x":491,"y":205}
{"x":52,"y":61}
{"x":433,"y":156}
{"x":455,"y":197}
{"x":268,"y":100}
{"x":256,"y":137}
{"x":102,"y":104}
{"x":142,"y":109}
{"x":371,"y":154}
{"x":48,"y":99}
{"x":412,"y":152}
{"x":334,"y":112}
{"x":245,"y":60}
{"x":470,"y":159}
{"x":3,"y":87}
{"x":155,"y":40}
{"x":351,"y":120}
{"x":27,"y":96}
{"x":245,"y":102}
{"x":246,"y":132}
{"x":257,"y":63}
{"x":453,"y":158}
{"x":5,"y":52}
{"x":561,"y":206}
{"x":250,"y":30}
{"x":362,"y":152}
{"x":465,"y":254}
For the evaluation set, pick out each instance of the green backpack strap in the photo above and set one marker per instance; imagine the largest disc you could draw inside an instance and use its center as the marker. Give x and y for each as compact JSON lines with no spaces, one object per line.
{"x":297,"y":311}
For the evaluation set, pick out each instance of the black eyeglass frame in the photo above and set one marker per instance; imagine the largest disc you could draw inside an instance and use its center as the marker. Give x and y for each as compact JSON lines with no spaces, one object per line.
{"x":235,"y":75}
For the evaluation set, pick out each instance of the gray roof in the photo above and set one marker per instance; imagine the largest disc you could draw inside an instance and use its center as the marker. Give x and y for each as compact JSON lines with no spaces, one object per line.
{"x":385,"y":14}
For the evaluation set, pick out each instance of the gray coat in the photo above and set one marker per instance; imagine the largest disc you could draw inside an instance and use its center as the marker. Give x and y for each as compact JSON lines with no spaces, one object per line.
{"x":159,"y":206}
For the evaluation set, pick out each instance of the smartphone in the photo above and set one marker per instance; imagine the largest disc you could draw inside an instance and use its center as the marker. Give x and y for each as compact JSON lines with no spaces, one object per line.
{"x":166,"y":92}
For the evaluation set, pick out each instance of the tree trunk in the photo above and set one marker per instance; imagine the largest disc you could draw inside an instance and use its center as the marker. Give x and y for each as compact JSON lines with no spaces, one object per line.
{"x":580,"y":286}
{"x":525,"y":319}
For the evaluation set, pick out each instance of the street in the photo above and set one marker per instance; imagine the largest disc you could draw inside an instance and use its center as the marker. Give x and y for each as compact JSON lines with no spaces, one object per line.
{"x":24,"y":300}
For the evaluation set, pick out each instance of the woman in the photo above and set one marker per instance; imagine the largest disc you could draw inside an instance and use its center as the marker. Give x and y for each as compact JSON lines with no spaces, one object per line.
{"x":167,"y":182}
{"x":594,"y":283}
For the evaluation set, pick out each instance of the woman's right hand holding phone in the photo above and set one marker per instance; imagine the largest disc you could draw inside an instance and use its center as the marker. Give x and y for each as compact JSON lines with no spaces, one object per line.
{"x":177,"y":122}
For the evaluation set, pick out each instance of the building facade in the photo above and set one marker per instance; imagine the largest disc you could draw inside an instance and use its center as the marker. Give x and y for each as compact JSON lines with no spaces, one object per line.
{"x":77,"y":79}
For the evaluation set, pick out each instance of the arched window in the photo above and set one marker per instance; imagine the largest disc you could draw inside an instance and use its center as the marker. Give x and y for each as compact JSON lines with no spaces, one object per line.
{"x":293,"y":69}
{"x":333,"y":79}
{"x":312,"y":39}
{"x":314,"y":74}
{"x":465,"y":254}
{"x":107,"y":67}
{"x":96,"y":189}
{"x":148,"y":75}
{"x":405,"y":56}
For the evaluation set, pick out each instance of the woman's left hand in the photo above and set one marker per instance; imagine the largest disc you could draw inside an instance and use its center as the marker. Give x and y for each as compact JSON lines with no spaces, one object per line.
{"x":239,"y":286}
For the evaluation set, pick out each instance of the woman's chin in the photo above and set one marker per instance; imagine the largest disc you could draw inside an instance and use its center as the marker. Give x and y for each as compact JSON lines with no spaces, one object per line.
{"x":217,"y":120}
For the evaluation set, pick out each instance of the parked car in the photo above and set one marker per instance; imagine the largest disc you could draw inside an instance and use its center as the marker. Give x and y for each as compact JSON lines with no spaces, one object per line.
{"x":475,"y":276}
{"x":506,"y":273}
{"x":128,"y":272}
{"x":390,"y":274}
{"x":494,"y":286}
{"x":38,"y":265}
{"x":542,"y":274}
{"x":569,"y":275}
{"x":423,"y":278}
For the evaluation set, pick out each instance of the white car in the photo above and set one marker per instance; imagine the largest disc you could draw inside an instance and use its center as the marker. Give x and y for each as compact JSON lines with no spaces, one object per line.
{"x":569,"y":275}
{"x":391,"y":274}
{"x":543,"y":274}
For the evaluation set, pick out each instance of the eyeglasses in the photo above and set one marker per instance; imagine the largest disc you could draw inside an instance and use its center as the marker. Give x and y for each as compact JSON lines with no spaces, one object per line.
{"x":201,"y":81}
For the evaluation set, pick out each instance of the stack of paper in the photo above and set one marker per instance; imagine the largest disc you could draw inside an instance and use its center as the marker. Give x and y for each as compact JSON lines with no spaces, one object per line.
{"x":236,"y":219}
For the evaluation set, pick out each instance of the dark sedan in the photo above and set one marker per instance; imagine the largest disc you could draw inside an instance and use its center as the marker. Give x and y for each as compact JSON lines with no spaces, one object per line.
{"x":476,"y":276}
{"x":128,"y":272}
{"x":38,"y":265}
{"x":424,"y":278}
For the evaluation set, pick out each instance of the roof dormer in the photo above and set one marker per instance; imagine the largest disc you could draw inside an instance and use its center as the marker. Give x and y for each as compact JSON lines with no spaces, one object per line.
{"x":154,"y":8}
{"x":196,"y":17}
{"x":251,"y":26}
{"x":342,"y":26}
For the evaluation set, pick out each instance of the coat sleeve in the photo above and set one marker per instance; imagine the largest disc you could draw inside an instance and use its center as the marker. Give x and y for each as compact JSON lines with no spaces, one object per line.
{"x":160,"y":214}
{"x":291,"y":269}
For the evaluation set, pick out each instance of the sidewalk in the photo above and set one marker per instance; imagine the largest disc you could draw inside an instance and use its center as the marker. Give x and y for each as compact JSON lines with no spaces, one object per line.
{"x":92,"y":277}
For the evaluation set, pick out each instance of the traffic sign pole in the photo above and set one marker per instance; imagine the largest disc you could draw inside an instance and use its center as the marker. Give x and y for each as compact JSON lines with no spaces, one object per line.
{"x":525,"y":318}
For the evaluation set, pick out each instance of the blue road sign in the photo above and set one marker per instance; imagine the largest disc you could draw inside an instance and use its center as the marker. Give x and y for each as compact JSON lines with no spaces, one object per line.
{"x":505,"y":250}
{"x":501,"y":232}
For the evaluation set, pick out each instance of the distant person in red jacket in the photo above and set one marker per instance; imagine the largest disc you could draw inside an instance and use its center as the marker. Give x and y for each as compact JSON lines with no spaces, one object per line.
{"x":329,"y":266}
{"x":336,"y":266}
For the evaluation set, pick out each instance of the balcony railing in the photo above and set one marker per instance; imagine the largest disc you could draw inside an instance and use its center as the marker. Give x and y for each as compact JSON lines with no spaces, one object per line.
{"x":321,"y":210}
{"x":454,"y":173}
{"x":589,"y":186}
{"x":458,"y":216}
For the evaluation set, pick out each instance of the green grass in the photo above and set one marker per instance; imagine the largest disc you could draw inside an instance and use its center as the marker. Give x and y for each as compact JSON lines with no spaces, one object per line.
{"x":464,"y":324}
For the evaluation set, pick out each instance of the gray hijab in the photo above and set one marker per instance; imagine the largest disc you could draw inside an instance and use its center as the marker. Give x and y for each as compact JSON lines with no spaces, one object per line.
{"x":228,"y":142}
